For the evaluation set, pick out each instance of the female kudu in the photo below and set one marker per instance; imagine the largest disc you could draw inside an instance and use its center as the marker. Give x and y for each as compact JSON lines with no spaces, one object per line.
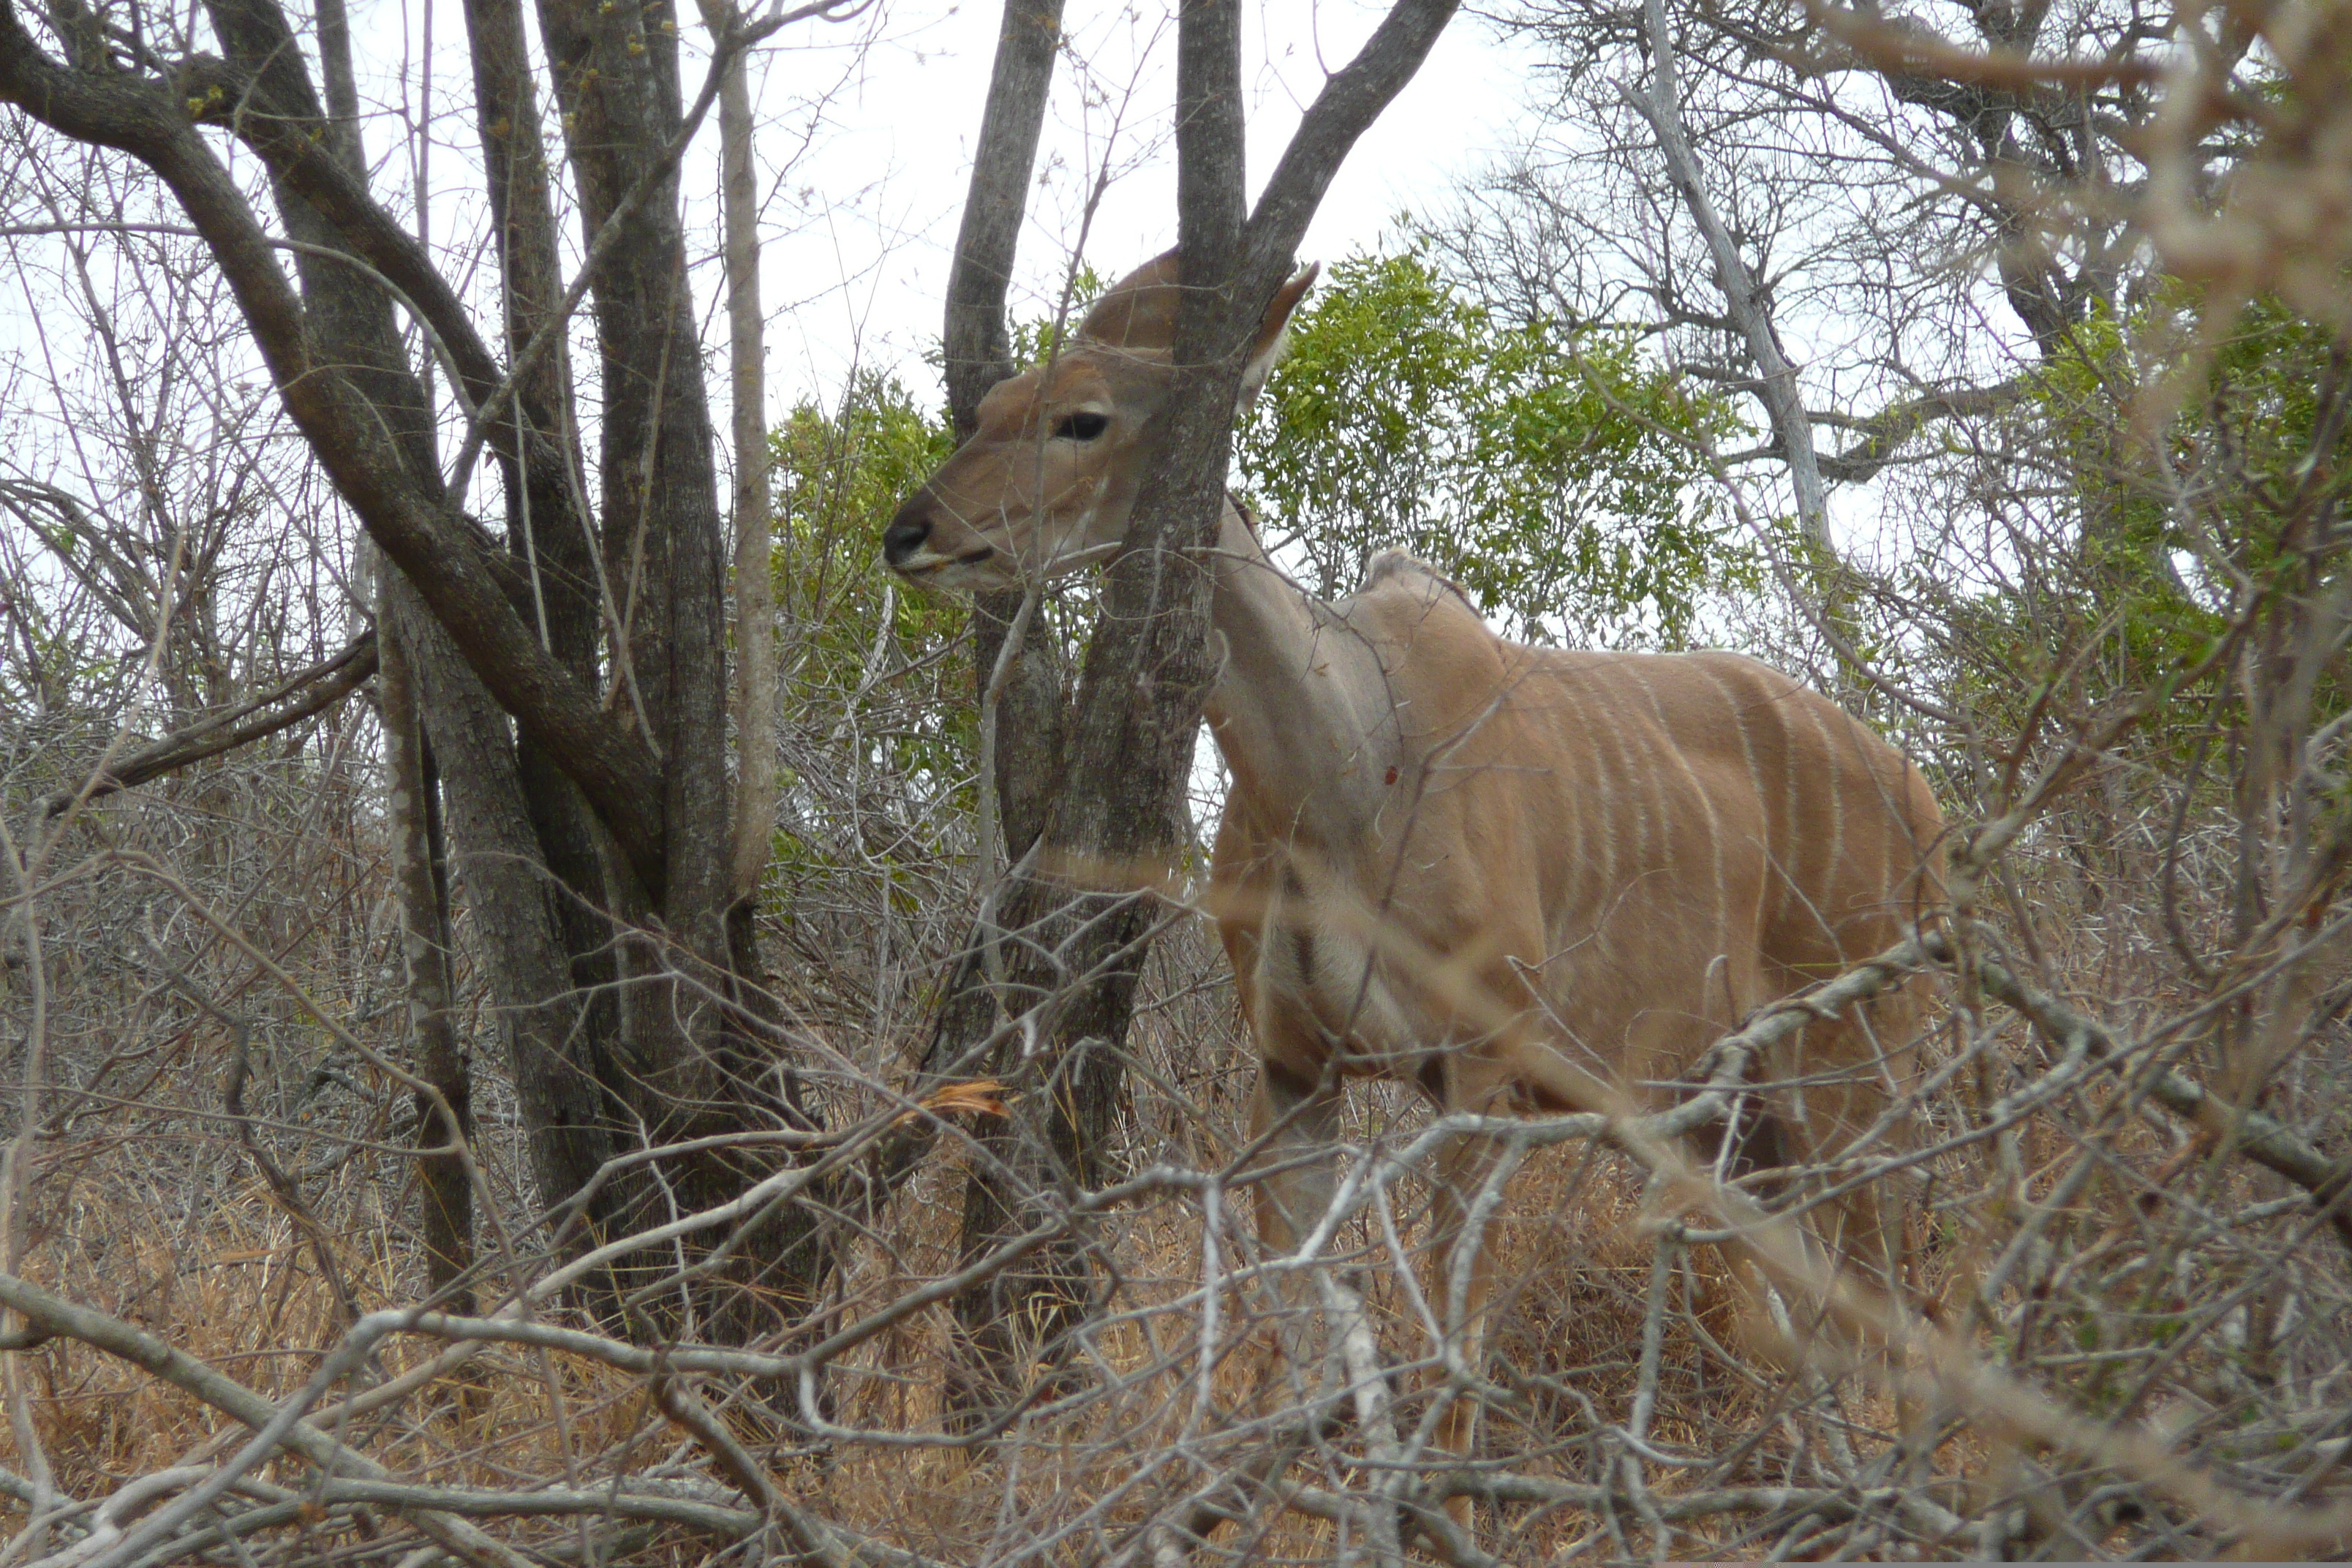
{"x":1616,"y":856}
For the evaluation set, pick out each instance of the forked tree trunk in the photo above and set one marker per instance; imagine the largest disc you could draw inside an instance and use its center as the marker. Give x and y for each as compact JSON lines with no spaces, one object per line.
{"x":1027,"y":717}
{"x":591,"y":826}
{"x":1126,"y":750}
{"x":692,"y":1060}
{"x":550,"y":527}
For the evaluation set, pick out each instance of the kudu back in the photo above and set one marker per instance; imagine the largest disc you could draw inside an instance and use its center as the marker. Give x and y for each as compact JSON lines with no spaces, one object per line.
{"x":1525,"y":880}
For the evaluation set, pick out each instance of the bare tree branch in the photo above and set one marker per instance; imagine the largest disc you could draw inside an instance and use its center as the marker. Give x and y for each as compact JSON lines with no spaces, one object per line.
{"x":612,"y":763}
{"x":1743,"y":296}
{"x":1883,"y":434}
{"x":302,"y":696}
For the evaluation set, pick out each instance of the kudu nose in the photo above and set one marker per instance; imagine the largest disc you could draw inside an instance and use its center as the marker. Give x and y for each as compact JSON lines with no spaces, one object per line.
{"x":907,"y":532}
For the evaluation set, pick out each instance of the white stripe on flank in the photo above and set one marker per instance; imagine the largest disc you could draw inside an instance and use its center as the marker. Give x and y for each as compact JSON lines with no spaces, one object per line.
{"x":1832,"y":764}
{"x":1706,"y":803}
{"x":1738,"y":720}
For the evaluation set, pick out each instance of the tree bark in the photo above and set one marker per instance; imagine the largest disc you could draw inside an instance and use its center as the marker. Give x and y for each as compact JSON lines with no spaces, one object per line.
{"x":1027,"y":715}
{"x":755,"y":596}
{"x":419,"y":877}
{"x":978,"y":347}
{"x":615,"y":70}
{"x":550,"y":529}
{"x":509,"y":898}
{"x":695,"y":1059}
{"x":1138,"y":712}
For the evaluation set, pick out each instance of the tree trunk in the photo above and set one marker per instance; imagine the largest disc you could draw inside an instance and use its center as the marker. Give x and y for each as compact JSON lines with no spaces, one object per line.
{"x":1026,"y":718}
{"x":1130,"y":742}
{"x":550,"y":530}
{"x":500,"y":856}
{"x":616,"y":80}
{"x":1023,"y":720}
{"x":511,"y":900}
{"x":420,"y":877}
{"x":755,"y":597}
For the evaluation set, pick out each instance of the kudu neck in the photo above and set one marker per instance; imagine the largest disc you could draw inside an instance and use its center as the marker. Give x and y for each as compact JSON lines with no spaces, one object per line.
{"x":1300,"y":709}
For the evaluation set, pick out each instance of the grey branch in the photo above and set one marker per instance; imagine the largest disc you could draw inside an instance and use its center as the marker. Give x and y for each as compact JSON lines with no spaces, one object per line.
{"x":2259,"y":1138}
{"x":311,"y":692}
{"x":193,"y":1377}
{"x":1883,"y":434}
{"x":1743,"y":297}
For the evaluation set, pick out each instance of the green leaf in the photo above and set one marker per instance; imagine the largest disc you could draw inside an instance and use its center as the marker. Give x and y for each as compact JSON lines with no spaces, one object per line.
{"x":1546,"y":469}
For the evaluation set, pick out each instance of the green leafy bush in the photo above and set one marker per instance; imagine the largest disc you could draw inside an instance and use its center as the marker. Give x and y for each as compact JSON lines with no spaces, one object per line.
{"x":1536,"y":464}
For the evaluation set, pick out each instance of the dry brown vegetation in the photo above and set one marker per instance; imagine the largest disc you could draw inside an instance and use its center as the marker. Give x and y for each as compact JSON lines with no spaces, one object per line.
{"x":2113,"y":633}
{"x":2175,"y":1288}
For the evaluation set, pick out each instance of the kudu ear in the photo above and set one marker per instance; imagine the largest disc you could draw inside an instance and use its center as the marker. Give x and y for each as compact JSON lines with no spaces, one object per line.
{"x":1273,"y":332}
{"x":1139,"y":311}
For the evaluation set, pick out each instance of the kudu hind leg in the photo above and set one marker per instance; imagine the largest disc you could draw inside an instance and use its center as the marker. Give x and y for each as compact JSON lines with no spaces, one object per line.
{"x":1815,"y":1096}
{"x":1461,"y":1270}
{"x":1869,"y":1060}
{"x":1878,"y":1049}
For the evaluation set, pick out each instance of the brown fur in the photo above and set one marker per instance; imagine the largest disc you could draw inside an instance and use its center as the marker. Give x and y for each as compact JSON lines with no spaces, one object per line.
{"x":1523,"y":878}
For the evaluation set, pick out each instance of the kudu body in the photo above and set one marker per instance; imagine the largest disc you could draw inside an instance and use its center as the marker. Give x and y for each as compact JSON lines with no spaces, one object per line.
{"x":1507,"y":875}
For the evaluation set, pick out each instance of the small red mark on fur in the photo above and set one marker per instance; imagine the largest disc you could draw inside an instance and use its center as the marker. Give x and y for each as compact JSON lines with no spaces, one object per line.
{"x":1391,"y":778}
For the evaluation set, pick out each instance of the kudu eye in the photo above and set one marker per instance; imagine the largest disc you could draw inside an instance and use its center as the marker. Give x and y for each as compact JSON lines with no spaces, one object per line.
{"x":1080,"y":426}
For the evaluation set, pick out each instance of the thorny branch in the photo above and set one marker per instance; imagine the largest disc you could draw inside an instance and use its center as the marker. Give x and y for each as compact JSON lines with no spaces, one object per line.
{"x":2118,"y":1337}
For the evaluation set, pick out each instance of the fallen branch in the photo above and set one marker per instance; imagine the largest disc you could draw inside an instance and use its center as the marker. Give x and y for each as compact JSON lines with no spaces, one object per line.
{"x":1933,"y":1521}
{"x":298,"y":697}
{"x":194,"y":1378}
{"x":352,"y":1478}
{"x":641,"y":1506}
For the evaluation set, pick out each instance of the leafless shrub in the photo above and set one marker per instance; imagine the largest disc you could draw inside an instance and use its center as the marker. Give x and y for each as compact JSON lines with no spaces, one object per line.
{"x":2112,"y":628}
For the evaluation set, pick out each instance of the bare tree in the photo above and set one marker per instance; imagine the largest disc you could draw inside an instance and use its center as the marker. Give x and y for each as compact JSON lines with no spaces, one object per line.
{"x":835,"y":1288}
{"x":1803,"y":211}
{"x":594,"y":844}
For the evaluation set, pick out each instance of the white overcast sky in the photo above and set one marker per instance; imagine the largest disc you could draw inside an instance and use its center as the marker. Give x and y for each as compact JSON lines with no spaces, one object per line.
{"x":860,"y":225}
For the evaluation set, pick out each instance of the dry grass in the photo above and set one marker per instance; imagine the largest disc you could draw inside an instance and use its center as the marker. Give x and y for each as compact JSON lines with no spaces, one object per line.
{"x":224,"y":1273}
{"x":2136,"y":1335}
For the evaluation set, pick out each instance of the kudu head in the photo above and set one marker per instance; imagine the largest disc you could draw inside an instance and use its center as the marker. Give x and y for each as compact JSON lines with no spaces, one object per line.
{"x":1048,"y":480}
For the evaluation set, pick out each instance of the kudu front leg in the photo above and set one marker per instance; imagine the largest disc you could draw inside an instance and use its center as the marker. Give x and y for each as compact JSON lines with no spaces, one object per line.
{"x":1460,"y":1282}
{"x":1298,"y":1120}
